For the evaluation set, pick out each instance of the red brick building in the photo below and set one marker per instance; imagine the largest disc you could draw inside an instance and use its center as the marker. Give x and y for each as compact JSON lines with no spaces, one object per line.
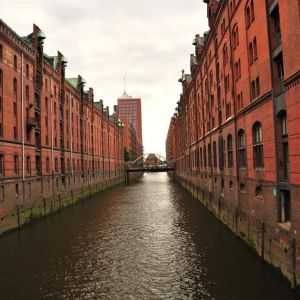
{"x":56,"y":145}
{"x":131,"y":109}
{"x":235,"y":134}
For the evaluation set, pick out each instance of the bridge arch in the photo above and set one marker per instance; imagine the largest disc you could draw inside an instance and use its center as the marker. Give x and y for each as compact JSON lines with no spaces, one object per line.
{"x":146,"y":154}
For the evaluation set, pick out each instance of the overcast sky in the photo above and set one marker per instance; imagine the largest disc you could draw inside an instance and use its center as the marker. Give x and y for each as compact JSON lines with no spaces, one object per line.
{"x":147,"y":42}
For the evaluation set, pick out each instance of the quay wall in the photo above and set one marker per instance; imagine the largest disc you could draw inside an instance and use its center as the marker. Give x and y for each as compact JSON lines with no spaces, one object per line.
{"x":272,"y":244}
{"x":56,"y":194}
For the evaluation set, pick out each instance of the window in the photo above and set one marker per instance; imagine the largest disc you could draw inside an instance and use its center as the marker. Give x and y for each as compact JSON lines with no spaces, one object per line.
{"x":230,"y":185}
{"x":250,"y":53}
{"x":209,"y":155}
{"x":0,"y":103}
{"x":27,"y":92}
{"x":257,"y":146}
{"x":56,"y":165}
{"x":15,"y":133}
{"x":2,"y":192}
{"x":285,"y":147}
{"x":259,"y":193}
{"x":227,"y":84}
{"x":15,"y":85}
{"x":15,"y":108}
{"x":254,"y":49}
{"x":17,"y":190}
{"x":230,"y":151}
{"x":15,"y":63}
{"x":201,"y":158}
{"x":16,"y":165}
{"x":1,"y":164}
{"x":252,"y":11}
{"x":27,"y":71}
{"x":243,"y":188}
{"x":1,"y":77}
{"x":247,"y":17}
{"x":242,"y":149}
{"x":215,"y":154}
{"x":255,"y":88}
{"x":225,"y":55}
{"x":28,"y":165}
{"x":1,"y":52}
{"x":235,"y":36}
{"x":204,"y":153}
{"x":47,"y":165}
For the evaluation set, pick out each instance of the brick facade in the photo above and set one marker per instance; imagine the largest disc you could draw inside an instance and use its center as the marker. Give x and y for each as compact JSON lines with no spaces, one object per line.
{"x":235,"y":135}
{"x":55,"y":141}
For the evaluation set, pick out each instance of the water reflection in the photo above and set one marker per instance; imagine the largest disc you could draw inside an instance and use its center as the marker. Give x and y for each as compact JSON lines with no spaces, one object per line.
{"x":148,"y":240}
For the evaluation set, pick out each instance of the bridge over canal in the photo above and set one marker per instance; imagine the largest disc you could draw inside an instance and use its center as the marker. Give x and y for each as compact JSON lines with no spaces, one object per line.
{"x":136,"y":166}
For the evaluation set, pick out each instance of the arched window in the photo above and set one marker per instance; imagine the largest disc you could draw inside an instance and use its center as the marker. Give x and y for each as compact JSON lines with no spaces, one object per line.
{"x":201,"y":158}
{"x":15,"y":63}
{"x":230,"y":151}
{"x":230,"y":185}
{"x":209,"y":155}
{"x":242,"y":149}
{"x":56,"y":165}
{"x":27,"y":70}
{"x":47,"y":165}
{"x":16,"y":165}
{"x":37,"y":100}
{"x":27,"y":92}
{"x":259,"y":193}
{"x":225,"y":54}
{"x":28,"y":165}
{"x":215,"y":154}
{"x":257,"y":146}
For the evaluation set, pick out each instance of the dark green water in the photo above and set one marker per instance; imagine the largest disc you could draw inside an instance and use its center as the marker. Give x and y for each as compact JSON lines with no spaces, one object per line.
{"x":148,"y":240}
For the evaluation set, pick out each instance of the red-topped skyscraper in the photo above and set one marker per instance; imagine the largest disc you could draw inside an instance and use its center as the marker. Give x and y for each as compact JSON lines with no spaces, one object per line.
{"x":131,"y":109}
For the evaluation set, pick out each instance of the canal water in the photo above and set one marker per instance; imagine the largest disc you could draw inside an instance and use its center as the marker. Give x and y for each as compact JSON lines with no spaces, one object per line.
{"x":146,"y":240}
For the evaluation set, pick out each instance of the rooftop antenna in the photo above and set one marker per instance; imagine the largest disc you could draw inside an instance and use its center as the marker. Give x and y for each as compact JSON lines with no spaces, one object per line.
{"x":124,"y":86}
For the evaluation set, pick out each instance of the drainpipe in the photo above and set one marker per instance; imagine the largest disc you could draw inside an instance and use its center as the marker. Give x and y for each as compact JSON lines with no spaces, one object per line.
{"x":71,"y":132}
{"x":22,"y":119}
{"x":51,"y":121}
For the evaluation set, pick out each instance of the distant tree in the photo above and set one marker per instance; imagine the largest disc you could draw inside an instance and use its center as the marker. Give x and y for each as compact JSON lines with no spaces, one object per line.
{"x":127,"y":156}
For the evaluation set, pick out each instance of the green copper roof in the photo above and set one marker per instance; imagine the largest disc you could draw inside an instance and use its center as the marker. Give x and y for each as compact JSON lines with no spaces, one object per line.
{"x":97,"y":105}
{"x":64,"y":59}
{"x":41,"y":34}
{"x":55,"y":59}
{"x":73,"y":82}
